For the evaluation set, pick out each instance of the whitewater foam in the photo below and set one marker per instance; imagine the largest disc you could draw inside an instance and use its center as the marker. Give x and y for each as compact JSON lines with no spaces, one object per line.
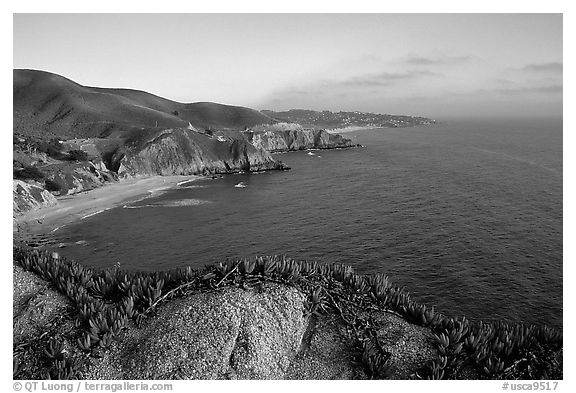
{"x":176,"y":203}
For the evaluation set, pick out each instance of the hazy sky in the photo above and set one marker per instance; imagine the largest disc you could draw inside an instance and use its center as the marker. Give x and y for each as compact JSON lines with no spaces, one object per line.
{"x":436,"y":65}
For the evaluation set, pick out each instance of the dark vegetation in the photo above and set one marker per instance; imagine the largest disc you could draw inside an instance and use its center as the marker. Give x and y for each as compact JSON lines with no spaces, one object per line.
{"x":62,"y":166}
{"x":28,"y":173}
{"x":31,"y":146}
{"x":52,"y":185}
{"x":52,"y":148}
{"x":77,"y":155}
{"x":109,"y":301}
{"x":27,"y":150}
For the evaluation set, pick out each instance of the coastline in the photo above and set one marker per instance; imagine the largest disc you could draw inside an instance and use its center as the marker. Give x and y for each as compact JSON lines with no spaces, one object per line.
{"x":350,"y":129}
{"x":72,"y":208}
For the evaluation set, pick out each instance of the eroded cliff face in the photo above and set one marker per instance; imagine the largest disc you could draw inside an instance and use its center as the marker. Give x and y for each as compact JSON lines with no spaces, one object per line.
{"x":80,"y":177}
{"x":59,"y":179}
{"x":27,"y":196}
{"x":183,"y":151}
{"x":290,"y":140}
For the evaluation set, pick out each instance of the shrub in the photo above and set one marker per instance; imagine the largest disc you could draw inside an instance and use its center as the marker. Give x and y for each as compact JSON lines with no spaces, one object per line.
{"x":77,"y":155}
{"x":28,"y":173}
{"x":52,"y":148}
{"x":51,"y":185}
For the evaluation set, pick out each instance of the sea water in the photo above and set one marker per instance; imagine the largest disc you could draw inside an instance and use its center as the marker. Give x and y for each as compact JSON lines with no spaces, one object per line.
{"x":467,"y":215}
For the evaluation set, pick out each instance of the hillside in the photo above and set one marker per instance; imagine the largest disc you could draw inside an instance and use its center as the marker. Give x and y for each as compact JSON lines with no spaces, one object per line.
{"x":48,"y":105}
{"x":332,"y":120}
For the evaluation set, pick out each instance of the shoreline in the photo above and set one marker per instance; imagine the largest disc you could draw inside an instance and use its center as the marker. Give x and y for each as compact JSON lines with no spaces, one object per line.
{"x":351,"y":129}
{"x":73,"y":208}
{"x":365,"y":128}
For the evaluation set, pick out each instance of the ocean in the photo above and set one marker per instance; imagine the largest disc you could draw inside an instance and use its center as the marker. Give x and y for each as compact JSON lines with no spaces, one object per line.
{"x":466,"y":214}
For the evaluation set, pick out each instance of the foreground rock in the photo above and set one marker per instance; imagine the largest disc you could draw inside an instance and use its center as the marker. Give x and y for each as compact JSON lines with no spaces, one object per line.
{"x":231,"y":333}
{"x":250,"y":334}
{"x":39,"y":314}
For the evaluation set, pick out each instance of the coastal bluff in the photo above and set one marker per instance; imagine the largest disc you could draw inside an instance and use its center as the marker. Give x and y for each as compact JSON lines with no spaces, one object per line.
{"x":301,"y":139}
{"x":184,"y":151}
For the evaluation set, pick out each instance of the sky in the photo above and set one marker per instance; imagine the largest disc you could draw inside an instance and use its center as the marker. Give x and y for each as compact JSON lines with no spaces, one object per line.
{"x":433,"y":65}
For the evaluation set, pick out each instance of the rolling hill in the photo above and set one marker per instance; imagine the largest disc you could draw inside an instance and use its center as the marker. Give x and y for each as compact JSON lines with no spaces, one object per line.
{"x":49,"y":105}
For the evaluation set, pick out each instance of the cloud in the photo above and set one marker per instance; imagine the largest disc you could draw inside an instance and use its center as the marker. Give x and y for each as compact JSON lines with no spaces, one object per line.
{"x":383,"y":78}
{"x":429,"y":61}
{"x":505,"y":82}
{"x":532,"y":89}
{"x":544,"y":67}
{"x":347,"y":89}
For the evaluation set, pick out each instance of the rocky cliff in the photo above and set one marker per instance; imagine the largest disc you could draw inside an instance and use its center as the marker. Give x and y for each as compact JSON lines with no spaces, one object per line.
{"x":182,"y":151}
{"x":290,"y":140}
{"x":26,"y":196}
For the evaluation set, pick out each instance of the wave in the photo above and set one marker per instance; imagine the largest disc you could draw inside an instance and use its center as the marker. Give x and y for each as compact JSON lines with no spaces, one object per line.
{"x":93,"y":214}
{"x":176,"y":203}
{"x":193,"y":186}
{"x":185,"y":202}
{"x":180,"y":183}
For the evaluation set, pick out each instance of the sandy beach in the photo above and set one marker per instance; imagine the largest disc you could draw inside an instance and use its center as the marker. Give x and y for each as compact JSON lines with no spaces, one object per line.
{"x":71,"y":208}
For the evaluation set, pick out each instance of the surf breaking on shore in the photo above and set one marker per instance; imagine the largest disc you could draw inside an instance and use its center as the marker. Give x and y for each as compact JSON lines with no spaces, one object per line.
{"x":90,"y":203}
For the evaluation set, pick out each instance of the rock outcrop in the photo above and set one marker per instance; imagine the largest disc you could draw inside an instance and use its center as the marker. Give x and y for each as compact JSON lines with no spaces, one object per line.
{"x":184,"y":151}
{"x":80,"y":177}
{"x":230,"y":333}
{"x":27,"y":196}
{"x":291,"y":140}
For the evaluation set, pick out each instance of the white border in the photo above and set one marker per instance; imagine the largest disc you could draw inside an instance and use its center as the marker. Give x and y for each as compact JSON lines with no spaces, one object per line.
{"x":357,"y":6}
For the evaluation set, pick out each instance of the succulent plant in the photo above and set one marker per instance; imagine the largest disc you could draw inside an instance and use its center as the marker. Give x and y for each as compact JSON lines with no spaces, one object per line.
{"x":375,"y":363}
{"x":16,"y":367}
{"x":54,"y":349}
{"x":85,"y":342}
